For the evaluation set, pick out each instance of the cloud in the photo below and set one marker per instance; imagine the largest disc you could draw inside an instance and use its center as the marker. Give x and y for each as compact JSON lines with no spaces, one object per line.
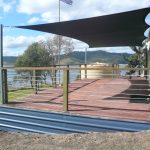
{"x":33,"y":20}
{"x":147,"y":20}
{"x":53,"y":17}
{"x":49,"y":17}
{"x":7,"y":6}
{"x":79,"y":9}
{"x":14,"y":45}
{"x":47,"y":11}
{"x":22,"y":41}
{"x":35,"y":6}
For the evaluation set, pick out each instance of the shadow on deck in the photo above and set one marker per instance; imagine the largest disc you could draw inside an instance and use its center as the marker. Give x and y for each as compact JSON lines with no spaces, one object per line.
{"x":104,"y":98}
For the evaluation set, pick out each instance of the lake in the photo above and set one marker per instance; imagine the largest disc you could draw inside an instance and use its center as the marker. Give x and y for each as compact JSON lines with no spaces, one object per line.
{"x":15,"y":80}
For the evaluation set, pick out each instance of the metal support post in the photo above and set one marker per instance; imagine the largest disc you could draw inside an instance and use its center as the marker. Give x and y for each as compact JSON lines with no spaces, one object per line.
{"x":148,"y":57}
{"x":5,"y":87}
{"x":1,"y":65}
{"x":59,"y":48}
{"x":65,"y":89}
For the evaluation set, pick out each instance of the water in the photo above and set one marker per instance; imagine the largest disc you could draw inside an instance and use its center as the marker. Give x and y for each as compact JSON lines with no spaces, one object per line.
{"x":16,"y":81}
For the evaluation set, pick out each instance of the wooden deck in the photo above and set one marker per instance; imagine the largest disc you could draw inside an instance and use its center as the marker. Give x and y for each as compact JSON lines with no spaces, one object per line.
{"x":102,"y":98}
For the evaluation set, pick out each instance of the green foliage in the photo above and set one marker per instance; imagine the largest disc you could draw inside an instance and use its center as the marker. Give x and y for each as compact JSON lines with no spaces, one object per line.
{"x":133,"y":61}
{"x":138,"y":59}
{"x":78,"y":77}
{"x":34,"y":56}
{"x":16,"y":94}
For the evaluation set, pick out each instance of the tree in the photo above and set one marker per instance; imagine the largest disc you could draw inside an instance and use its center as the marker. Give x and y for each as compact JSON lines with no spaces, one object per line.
{"x":34,"y":56}
{"x":138,"y":59}
{"x":45,"y":53}
{"x":55,"y":48}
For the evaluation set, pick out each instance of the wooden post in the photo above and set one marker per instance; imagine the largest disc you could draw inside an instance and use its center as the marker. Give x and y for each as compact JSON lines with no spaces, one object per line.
{"x":65,"y":89}
{"x":80,"y":73}
{"x":113,"y":65}
{"x":35,"y":81}
{"x":5,"y":87}
{"x":54,"y":72}
{"x":118,"y":72}
{"x":85,"y":71}
{"x":68,"y":74}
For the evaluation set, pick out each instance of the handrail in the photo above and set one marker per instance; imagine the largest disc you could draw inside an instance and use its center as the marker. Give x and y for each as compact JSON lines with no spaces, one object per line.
{"x":87,"y":68}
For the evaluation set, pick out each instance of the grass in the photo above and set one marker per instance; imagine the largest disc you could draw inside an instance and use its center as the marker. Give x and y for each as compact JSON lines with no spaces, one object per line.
{"x":89,"y":141}
{"x":21,"y":93}
{"x":16,"y":94}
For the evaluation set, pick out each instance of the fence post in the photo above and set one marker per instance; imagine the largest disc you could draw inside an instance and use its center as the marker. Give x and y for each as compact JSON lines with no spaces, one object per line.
{"x":80,"y":73}
{"x":68,"y":74}
{"x":35,"y":81}
{"x":65,"y":89}
{"x":5,"y":88}
{"x":113,"y":66}
{"x":54,"y":73}
{"x":85,"y":71}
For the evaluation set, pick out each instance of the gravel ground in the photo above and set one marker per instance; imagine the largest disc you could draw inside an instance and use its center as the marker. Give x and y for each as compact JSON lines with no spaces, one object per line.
{"x":89,"y":141}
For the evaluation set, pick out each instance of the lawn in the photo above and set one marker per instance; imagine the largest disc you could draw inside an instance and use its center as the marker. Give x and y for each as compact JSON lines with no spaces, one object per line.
{"x":24,"y":92}
{"x":18,"y":94}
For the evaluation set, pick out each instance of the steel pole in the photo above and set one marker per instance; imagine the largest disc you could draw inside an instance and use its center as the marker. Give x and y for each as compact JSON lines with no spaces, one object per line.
{"x":148,"y":55}
{"x":1,"y":64}
{"x":59,"y":47}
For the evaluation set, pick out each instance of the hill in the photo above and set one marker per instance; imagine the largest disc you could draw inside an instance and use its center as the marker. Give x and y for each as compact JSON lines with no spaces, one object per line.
{"x":95,"y":56}
{"x":9,"y":60}
{"x":78,"y":57}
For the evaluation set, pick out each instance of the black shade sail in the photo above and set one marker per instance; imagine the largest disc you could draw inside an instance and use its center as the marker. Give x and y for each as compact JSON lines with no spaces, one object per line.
{"x":121,"y":29}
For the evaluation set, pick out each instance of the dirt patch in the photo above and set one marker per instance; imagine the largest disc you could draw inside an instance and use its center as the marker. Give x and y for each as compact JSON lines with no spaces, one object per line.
{"x":89,"y":141}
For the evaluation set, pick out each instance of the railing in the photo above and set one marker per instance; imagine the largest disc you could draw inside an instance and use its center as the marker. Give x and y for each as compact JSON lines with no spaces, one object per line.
{"x":21,"y":83}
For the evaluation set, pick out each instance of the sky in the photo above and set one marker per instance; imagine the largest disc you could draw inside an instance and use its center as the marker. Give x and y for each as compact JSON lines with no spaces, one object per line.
{"x":28,"y":12}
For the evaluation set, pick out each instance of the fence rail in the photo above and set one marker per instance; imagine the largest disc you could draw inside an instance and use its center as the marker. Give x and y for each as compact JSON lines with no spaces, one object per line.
{"x":31,"y":80}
